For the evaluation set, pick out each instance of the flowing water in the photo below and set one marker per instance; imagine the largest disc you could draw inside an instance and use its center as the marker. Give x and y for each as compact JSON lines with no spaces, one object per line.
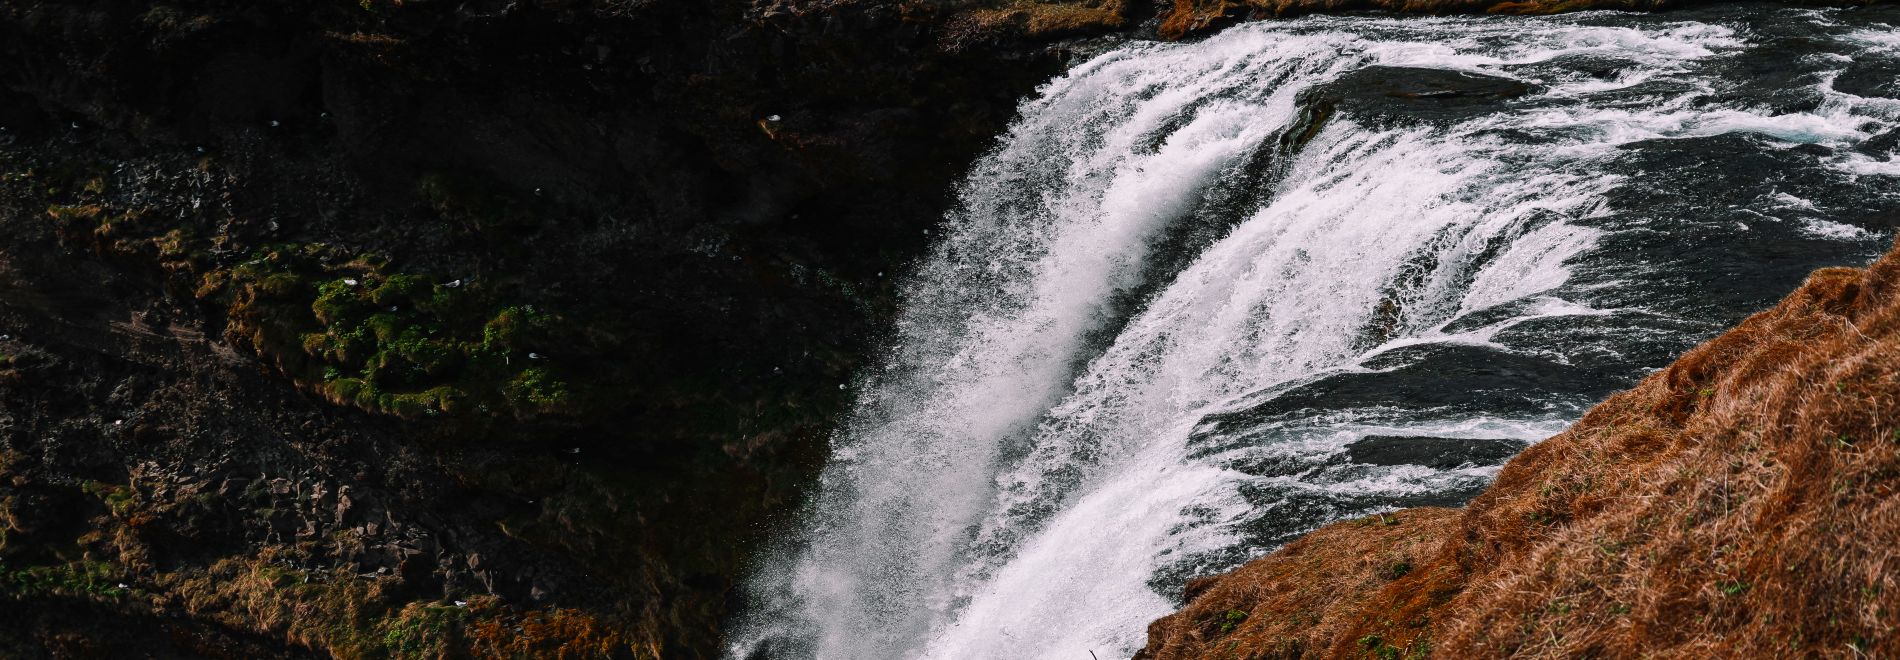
{"x":1205,"y":297}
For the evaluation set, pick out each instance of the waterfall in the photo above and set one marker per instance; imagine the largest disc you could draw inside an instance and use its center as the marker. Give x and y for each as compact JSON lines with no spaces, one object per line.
{"x":1197,"y":289}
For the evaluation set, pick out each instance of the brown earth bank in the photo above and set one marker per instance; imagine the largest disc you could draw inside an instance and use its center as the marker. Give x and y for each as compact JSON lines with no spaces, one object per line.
{"x":1739,"y":503}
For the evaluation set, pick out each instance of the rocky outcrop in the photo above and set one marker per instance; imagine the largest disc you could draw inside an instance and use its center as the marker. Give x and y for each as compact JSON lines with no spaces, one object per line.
{"x":1739,"y":503}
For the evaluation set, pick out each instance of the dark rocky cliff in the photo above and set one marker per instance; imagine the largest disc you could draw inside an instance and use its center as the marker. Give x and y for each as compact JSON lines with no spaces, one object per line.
{"x":419,"y":328}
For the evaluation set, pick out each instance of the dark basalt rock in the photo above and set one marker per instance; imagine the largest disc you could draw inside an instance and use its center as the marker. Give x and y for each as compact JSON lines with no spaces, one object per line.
{"x":1387,"y":94}
{"x":1872,"y":78}
{"x":1441,"y":453}
{"x":1453,"y":377}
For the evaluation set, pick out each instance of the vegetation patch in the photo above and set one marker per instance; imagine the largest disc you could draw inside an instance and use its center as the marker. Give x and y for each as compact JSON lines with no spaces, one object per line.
{"x":80,"y":578}
{"x":355,"y":617}
{"x":350,"y":326}
{"x":390,"y":342}
{"x":1232,"y":619}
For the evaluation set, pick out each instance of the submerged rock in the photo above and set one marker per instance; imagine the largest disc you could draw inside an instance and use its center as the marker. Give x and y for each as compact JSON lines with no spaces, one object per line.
{"x":1401,"y":89}
{"x":1450,"y":377}
{"x":1381,"y":95}
{"x":1441,"y":453}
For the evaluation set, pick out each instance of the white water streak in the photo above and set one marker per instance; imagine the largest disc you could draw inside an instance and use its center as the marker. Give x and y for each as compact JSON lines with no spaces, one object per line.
{"x":1006,"y":488}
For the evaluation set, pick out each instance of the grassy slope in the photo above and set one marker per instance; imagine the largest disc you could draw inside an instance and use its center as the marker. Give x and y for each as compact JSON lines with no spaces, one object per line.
{"x":1739,"y":503}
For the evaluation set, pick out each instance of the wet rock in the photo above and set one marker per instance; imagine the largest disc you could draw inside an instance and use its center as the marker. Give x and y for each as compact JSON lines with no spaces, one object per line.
{"x":1872,"y":78}
{"x":1433,"y":452}
{"x":1449,"y":377}
{"x":1394,"y":94}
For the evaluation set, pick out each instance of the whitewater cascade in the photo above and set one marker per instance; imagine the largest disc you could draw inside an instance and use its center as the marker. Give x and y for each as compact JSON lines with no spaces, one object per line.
{"x":1204,"y":297}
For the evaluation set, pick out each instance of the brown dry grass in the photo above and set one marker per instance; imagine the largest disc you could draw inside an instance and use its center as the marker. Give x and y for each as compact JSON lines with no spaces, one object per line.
{"x":1739,"y":503}
{"x":349,"y":616}
{"x":1040,"y":19}
{"x":1189,"y":17}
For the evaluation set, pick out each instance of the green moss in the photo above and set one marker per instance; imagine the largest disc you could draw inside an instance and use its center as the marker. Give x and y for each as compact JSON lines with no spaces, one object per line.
{"x":422,"y":631}
{"x":74,"y":214}
{"x":80,"y":578}
{"x":538,"y":387}
{"x":181,"y":246}
{"x":1232,"y":619}
{"x":1377,"y":647}
{"x":347,"y":324}
{"x":1396,"y":570}
{"x":117,"y":498}
{"x":392,"y":342}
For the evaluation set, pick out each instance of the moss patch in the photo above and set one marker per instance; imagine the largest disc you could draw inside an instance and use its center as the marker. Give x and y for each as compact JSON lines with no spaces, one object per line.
{"x":391,"y":342}
{"x":80,"y":578}
{"x":354,"y":617}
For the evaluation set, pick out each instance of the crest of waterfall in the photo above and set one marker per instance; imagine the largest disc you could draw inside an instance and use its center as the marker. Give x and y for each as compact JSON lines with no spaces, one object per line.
{"x":1192,"y":276}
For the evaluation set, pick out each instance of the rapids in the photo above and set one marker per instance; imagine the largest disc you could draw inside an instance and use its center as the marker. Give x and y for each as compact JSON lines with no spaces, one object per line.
{"x":1204,"y":297}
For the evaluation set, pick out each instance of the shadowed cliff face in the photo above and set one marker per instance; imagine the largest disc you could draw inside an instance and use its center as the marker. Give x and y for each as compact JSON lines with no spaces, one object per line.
{"x":1739,"y":502}
{"x":419,"y":328}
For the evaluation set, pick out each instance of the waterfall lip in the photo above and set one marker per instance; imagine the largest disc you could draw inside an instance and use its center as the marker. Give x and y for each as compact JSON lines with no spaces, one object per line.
{"x":1176,"y":232}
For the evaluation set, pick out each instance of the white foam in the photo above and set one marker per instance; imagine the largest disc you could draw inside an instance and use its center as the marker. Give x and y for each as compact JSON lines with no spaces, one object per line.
{"x":1834,"y":230}
{"x":1012,"y":477}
